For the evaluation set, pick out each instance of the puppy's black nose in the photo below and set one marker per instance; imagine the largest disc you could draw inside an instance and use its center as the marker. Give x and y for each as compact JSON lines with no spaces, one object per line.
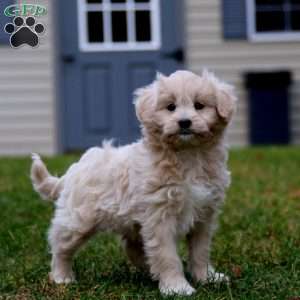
{"x":185,"y":124}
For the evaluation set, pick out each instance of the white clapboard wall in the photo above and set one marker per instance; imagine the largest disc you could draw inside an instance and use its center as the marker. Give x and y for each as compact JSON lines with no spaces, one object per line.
{"x":27,"y":102}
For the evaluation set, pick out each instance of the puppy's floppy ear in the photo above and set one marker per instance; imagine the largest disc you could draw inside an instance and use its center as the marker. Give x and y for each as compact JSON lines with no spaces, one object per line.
{"x":226,"y":101}
{"x":146,"y":98}
{"x":144,"y":102}
{"x":226,"y":98}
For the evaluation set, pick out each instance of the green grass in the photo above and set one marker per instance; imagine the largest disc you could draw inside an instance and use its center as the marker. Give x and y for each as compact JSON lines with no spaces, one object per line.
{"x":257,"y":243}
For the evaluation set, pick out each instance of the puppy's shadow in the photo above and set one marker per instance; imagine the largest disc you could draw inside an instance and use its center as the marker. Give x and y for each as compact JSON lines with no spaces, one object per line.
{"x":121,"y":276}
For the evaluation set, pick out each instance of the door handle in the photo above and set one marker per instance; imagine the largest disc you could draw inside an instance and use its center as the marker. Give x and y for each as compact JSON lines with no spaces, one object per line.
{"x":68,"y":58}
{"x":177,"y":54}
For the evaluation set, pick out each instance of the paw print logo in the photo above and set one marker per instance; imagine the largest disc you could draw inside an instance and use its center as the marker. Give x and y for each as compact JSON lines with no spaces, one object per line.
{"x":24,"y":31}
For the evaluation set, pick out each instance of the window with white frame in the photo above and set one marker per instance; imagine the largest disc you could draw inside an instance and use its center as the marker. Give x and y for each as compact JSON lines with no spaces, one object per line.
{"x":106,"y":25}
{"x":273,"y":19}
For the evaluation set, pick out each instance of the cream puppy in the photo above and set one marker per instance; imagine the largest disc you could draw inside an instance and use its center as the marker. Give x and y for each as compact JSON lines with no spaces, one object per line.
{"x":167,"y":185}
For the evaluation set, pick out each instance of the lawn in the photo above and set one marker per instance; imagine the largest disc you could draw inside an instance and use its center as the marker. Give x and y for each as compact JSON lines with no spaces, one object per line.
{"x":257,"y":243}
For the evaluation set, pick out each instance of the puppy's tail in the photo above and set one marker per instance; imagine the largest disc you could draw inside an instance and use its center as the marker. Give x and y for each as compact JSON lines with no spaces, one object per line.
{"x":48,"y":186}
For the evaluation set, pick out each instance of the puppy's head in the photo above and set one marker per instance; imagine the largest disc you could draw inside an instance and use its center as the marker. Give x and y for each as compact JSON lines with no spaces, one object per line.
{"x":185,"y":109}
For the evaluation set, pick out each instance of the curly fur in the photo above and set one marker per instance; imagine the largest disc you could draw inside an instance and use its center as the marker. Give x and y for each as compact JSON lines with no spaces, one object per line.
{"x":151,"y":192}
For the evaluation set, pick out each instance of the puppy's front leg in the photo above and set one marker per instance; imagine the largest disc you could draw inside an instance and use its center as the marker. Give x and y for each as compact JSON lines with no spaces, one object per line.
{"x":199,"y":240}
{"x":165,"y":264}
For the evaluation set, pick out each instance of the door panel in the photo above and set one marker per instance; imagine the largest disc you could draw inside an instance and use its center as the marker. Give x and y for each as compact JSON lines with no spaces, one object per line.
{"x":107,"y":50}
{"x":138,"y":75}
{"x":97,"y":85}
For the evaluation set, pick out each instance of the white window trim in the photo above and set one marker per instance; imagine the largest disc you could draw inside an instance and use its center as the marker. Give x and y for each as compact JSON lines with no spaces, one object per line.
{"x":131,"y":45}
{"x":255,"y":36}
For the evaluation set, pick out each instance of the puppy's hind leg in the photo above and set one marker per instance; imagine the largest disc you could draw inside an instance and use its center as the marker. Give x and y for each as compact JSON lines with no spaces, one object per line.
{"x":134,"y":247}
{"x":64,"y":243}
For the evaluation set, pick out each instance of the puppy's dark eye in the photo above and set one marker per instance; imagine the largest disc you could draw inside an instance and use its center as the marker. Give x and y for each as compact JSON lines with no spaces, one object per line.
{"x":171,"y":107}
{"x":198,"y":106}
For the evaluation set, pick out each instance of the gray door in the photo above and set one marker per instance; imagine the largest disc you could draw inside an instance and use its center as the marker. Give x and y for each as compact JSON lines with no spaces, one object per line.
{"x":108,"y":48}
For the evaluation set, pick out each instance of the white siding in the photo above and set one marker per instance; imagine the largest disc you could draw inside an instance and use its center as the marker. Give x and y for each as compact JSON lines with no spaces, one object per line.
{"x":27,"y":97}
{"x":230,"y":59}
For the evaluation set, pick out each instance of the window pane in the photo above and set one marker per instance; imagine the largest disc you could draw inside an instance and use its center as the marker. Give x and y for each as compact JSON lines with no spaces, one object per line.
{"x":270,"y":21}
{"x":269,"y":2}
{"x":94,"y":1}
{"x":143,"y":25}
{"x":95,"y":26}
{"x":295,"y":20}
{"x":117,"y":1}
{"x":119,"y":26}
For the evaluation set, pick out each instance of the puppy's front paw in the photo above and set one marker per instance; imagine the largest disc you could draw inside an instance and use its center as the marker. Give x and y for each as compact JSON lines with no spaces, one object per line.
{"x":61,"y":278}
{"x":176,"y":287}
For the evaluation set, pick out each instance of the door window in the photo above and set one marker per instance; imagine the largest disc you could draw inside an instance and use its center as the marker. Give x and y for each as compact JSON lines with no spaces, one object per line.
{"x":106,"y":25}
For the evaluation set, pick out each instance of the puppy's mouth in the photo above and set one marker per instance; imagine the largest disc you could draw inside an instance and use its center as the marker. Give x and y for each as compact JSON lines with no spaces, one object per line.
{"x":189,"y":134}
{"x":185,"y":132}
